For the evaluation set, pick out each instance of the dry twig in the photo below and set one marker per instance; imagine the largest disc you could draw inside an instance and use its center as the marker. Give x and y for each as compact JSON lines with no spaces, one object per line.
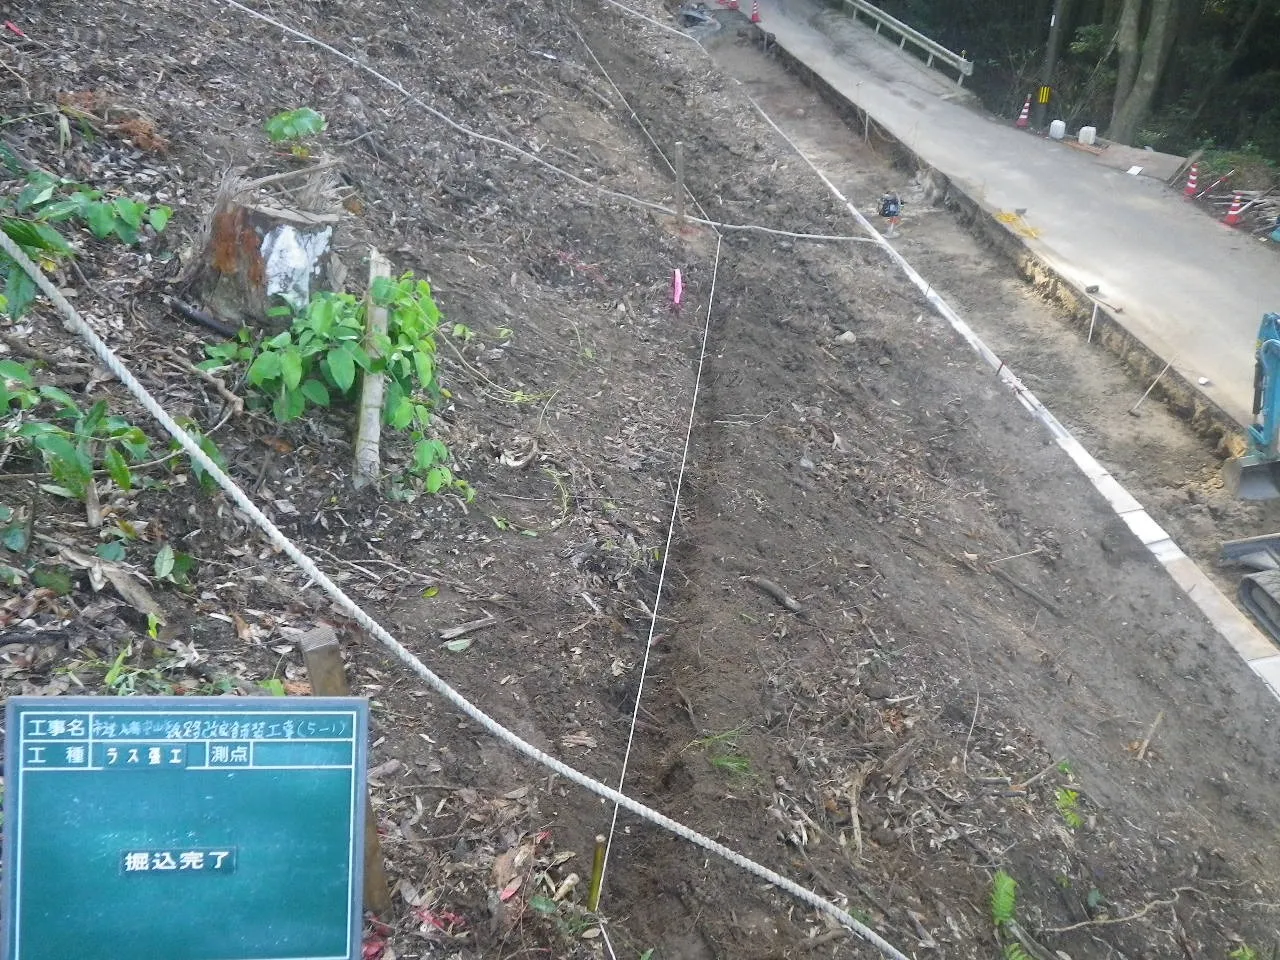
{"x":1142,"y":750}
{"x":775,"y":591}
{"x":235,"y":402}
{"x":1108,"y":921}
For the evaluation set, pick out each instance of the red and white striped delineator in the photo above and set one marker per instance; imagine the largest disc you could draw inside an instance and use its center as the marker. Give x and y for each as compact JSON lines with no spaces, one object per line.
{"x":1192,"y":181}
{"x":1233,"y":215}
{"x":755,"y":11}
{"x":1024,"y":118}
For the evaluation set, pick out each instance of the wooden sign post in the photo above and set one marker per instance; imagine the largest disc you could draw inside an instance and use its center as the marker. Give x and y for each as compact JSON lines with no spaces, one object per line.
{"x":323,"y":659}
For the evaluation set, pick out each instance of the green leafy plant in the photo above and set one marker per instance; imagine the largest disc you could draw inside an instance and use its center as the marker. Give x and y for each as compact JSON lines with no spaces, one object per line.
{"x":126,"y":680}
{"x":571,"y":919}
{"x":207,"y":446}
{"x":273,"y":686}
{"x":1244,"y":952}
{"x":15,"y":529}
{"x":294,"y":126}
{"x":722,"y":752}
{"x":1068,"y":803}
{"x":29,"y":218}
{"x":1004,"y":898}
{"x":46,"y":425}
{"x":1004,"y":905}
{"x":316,"y":361}
{"x":174,"y":566}
{"x":71,"y":442}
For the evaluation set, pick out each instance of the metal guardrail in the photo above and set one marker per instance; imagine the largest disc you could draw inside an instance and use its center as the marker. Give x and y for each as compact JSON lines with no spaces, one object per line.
{"x":907,"y":34}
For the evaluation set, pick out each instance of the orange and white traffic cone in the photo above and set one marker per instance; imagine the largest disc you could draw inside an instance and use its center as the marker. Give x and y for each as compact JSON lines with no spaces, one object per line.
{"x":1024,"y":118}
{"x":1233,"y":215}
{"x":1190,"y":189}
{"x":755,"y":11}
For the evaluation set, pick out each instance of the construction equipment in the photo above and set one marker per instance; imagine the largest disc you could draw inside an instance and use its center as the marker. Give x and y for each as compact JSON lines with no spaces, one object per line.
{"x":1256,"y":474}
{"x":1260,"y":590}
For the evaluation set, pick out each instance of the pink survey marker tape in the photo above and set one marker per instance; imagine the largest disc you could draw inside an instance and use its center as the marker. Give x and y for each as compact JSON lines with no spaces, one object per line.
{"x":677,"y":287}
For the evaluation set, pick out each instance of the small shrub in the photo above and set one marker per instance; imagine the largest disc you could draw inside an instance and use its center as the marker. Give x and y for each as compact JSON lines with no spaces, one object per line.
{"x":1068,"y":804}
{"x":1250,"y":169}
{"x":316,"y":361}
{"x":49,"y":427}
{"x":294,"y":126}
{"x":44,"y":201}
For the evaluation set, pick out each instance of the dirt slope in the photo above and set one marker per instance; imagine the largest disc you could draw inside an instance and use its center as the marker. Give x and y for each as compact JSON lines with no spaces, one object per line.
{"x":971,"y":616}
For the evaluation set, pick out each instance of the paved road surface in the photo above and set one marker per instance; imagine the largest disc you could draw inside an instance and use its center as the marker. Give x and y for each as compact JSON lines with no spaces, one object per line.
{"x":1193,"y":290}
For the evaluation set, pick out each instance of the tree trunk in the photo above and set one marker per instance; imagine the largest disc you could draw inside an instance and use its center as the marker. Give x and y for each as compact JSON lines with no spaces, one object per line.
{"x":1127,"y":44}
{"x":1155,"y":50}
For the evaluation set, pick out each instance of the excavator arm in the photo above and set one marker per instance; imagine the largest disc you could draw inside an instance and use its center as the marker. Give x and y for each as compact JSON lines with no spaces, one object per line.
{"x":1256,"y":474}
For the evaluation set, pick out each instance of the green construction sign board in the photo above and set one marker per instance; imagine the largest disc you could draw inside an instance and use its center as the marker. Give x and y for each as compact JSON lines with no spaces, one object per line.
{"x":183,"y":828}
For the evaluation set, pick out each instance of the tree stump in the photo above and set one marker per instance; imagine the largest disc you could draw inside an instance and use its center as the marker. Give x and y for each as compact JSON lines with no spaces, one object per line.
{"x":262,"y":249}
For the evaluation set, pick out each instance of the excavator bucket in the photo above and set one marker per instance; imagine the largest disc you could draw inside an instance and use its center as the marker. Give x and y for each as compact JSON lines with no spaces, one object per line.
{"x":1255,"y":476}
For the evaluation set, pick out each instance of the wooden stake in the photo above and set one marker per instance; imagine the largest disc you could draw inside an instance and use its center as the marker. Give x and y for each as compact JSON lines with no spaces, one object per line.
{"x":323,"y":659}
{"x":369,"y":425}
{"x":1133,"y":411}
{"x":680,"y":184}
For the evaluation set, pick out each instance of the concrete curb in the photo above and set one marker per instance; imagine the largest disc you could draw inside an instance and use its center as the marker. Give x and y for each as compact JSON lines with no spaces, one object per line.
{"x":1257,"y":651}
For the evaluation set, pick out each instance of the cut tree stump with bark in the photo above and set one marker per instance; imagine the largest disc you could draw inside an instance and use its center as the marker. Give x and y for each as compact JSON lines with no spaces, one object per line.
{"x":264,"y":246}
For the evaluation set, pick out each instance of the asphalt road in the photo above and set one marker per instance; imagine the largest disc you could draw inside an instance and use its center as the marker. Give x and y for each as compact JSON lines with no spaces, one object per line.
{"x":1191,"y":289}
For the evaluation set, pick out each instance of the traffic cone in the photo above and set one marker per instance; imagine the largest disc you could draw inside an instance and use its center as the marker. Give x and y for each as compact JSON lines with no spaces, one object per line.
{"x":1189,"y":190}
{"x":755,"y":11}
{"x":1233,"y":215}
{"x":1024,"y":118}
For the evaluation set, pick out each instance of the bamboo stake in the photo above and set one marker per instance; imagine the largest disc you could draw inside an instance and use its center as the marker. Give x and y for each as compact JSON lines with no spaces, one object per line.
{"x":679,"y":185}
{"x":369,"y":425}
{"x":597,"y":876}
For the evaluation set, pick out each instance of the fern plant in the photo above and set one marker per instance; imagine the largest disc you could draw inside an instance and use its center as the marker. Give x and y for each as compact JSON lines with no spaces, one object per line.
{"x":1004,"y":899}
{"x":1004,"y":905}
{"x":1068,"y":804}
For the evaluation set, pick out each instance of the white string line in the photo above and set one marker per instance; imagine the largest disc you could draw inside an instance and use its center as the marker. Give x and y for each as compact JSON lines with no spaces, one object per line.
{"x":77,"y":325}
{"x":639,"y":122}
{"x":684,"y":459}
{"x":659,"y":24}
{"x":666,"y":555}
{"x":520,"y":151}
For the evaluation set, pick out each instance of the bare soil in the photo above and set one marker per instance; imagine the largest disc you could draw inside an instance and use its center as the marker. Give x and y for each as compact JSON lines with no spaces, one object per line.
{"x":981,"y":647}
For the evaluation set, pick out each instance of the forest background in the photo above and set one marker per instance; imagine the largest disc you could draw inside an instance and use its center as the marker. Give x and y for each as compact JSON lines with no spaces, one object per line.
{"x":1173,"y":75}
